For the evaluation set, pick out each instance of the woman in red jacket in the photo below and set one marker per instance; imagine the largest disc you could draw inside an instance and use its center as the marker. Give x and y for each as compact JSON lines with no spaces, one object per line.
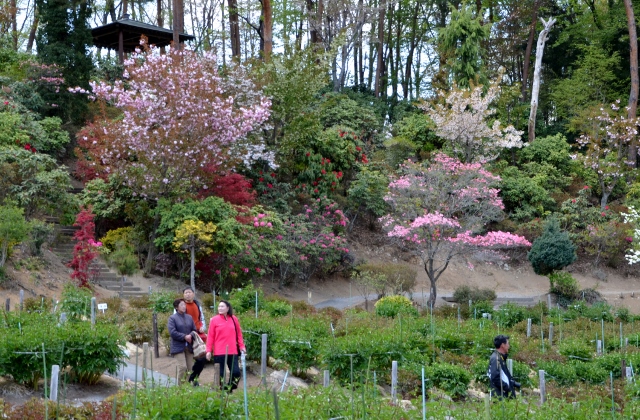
{"x":224,"y":340}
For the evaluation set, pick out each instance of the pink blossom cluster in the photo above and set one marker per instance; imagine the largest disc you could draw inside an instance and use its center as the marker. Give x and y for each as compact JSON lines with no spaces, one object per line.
{"x":93,"y":243}
{"x":258,"y":222}
{"x":492,"y":239}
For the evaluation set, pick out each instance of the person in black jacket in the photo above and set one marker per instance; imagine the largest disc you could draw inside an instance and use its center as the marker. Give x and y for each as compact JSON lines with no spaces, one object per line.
{"x":501,"y":381}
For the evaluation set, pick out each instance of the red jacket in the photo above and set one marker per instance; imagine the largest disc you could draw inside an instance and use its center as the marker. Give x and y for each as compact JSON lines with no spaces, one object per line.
{"x":221,"y":338}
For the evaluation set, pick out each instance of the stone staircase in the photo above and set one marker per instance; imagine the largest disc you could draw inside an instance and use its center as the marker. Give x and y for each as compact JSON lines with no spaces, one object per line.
{"x":101,"y":273}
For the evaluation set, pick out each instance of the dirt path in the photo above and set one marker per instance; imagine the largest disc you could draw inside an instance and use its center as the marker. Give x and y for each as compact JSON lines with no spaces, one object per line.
{"x":507,"y":281}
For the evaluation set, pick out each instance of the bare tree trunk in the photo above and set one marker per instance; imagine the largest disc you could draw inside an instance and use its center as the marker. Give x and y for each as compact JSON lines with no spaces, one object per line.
{"x":13,"y":10}
{"x":234,"y":28}
{"x":535,"y":88}
{"x":360,"y":68}
{"x":635,"y":83}
{"x":267,"y":29}
{"x":32,"y":31}
{"x":380,"y":63}
{"x":527,"y":54}
{"x":178,"y":22}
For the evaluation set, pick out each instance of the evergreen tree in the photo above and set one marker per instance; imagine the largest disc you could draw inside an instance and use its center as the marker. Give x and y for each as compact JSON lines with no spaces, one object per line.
{"x":64,"y":39}
{"x":461,"y":44}
{"x":553,"y":250}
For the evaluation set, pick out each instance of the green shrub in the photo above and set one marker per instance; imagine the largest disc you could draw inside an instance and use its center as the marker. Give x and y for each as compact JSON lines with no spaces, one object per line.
{"x":91,"y":350}
{"x":596,"y":312}
{"x":243,"y":300}
{"x":623,"y":314}
{"x":391,"y":306}
{"x":398,"y":150}
{"x":564,"y":285}
{"x":137,"y":326}
{"x":464,"y":294}
{"x":448,"y":340}
{"x":453,"y":379}
{"x":162,"y":302}
{"x":551,"y":251}
{"x":252,"y":330}
{"x":521,"y":374}
{"x":479,"y":371}
{"x":510,"y":314}
{"x":610,"y":362}
{"x":76,"y":301}
{"x":40,"y":233}
{"x":562,"y":373}
{"x":124,"y":259}
{"x":88,"y":351}
{"x":114,"y":236}
{"x":481,"y":307}
{"x":297,"y":350}
{"x":40,"y":305}
{"x":277,"y":308}
{"x":176,"y":402}
{"x":576,"y":349}
{"x":591,"y":373}
{"x":139,"y":302}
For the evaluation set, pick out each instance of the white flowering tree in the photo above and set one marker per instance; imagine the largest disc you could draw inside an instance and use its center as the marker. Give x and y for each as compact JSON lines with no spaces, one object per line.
{"x":606,"y":148}
{"x":633,"y":218}
{"x":441,"y":210}
{"x":463,"y":120}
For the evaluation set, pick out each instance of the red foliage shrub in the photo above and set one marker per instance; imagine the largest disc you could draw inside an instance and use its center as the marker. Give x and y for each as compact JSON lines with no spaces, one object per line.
{"x":232,"y":188}
{"x":84,"y":252}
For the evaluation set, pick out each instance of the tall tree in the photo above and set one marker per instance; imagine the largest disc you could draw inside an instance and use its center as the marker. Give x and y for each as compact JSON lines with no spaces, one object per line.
{"x":64,"y":39}
{"x":633,"y":67}
{"x":380,"y":64}
{"x":535,"y":88}
{"x":461,"y":42}
{"x":234,"y":28}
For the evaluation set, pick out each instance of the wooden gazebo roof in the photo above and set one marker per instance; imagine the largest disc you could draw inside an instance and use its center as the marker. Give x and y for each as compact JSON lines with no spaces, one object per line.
{"x":124,"y":35}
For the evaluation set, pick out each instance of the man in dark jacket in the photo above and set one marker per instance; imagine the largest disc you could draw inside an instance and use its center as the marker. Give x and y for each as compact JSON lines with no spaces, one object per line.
{"x":501,"y":381}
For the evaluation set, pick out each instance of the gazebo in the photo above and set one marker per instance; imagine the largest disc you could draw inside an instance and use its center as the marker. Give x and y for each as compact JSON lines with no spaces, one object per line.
{"x":124,"y":35}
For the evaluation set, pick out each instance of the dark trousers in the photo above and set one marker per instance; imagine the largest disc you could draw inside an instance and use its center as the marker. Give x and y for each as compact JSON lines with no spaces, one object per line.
{"x":198,"y":366}
{"x":232,"y":363}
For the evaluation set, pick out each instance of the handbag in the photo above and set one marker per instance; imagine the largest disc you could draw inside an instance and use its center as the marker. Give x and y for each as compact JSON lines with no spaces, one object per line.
{"x":199,"y":347}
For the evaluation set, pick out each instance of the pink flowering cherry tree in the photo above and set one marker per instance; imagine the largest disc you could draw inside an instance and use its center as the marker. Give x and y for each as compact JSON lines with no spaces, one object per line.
{"x":178,"y":124}
{"x":440,"y":211}
{"x":178,"y":118}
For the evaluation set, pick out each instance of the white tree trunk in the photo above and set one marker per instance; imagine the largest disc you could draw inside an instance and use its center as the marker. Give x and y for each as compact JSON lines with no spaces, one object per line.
{"x":193,"y":263}
{"x":535,"y":88}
